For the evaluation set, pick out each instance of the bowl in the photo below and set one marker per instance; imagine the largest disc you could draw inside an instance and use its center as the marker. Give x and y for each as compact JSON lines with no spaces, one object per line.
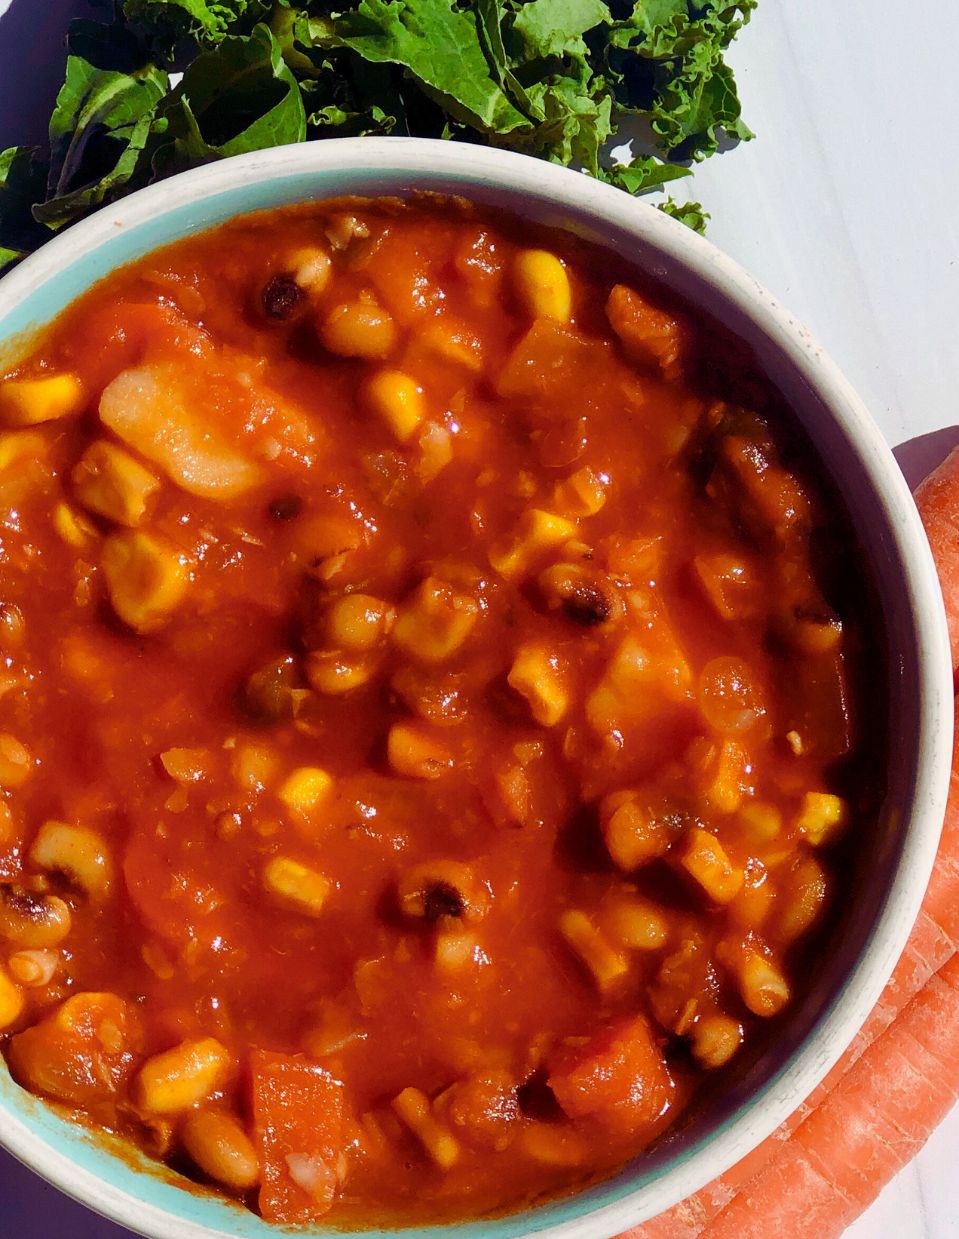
{"x":850,"y":450}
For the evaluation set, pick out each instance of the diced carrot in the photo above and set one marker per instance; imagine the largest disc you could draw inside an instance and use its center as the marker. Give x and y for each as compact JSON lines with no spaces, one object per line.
{"x":619,"y":1076}
{"x":298,"y":1131}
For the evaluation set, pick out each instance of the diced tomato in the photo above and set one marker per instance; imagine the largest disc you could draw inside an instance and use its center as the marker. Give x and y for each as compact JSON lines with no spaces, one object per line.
{"x":298,"y":1130}
{"x":619,"y":1077}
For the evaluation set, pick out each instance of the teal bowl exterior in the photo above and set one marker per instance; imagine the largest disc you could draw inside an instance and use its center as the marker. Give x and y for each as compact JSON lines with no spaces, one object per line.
{"x":148,"y":1200}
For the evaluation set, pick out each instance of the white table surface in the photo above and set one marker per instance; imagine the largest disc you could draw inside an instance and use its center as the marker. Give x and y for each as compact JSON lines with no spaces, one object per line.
{"x":846,"y":207}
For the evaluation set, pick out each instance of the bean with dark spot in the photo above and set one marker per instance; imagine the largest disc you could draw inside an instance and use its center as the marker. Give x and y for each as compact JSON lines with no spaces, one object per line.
{"x":441,"y":899}
{"x":286,"y":507}
{"x":588,"y":605}
{"x":280,"y":297}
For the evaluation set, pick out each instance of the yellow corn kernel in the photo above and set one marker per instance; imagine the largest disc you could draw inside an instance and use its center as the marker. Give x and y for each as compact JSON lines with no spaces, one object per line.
{"x":27,"y":402}
{"x":328,"y":672}
{"x":815,"y":634}
{"x":398,"y":400}
{"x":553,"y":1145}
{"x":73,"y":527}
{"x":607,"y":964}
{"x":538,"y":531}
{"x":178,"y":1079}
{"x":16,"y":761}
{"x":760,"y":822}
{"x":583,"y":493}
{"x":359,"y":329}
{"x":146,"y":578}
{"x":764,"y":989}
{"x":822,"y":817}
{"x":542,"y":285}
{"x":715,"y":1039}
{"x":11,"y":1001}
{"x":537,"y":676}
{"x":300,"y":887}
{"x":306,"y":790}
{"x":413,"y":1108}
{"x":436,"y":621}
{"x":18,"y":445}
{"x":704,"y":859}
{"x":78,"y":852}
{"x":635,"y":922}
{"x":111,"y":482}
{"x":221,"y":1148}
{"x":720,"y":772}
{"x":634,"y":835}
{"x":414,"y":753}
{"x":357,"y":622}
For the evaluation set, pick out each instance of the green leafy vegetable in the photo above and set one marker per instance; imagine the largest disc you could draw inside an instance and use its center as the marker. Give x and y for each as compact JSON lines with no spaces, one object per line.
{"x":553,"y":78}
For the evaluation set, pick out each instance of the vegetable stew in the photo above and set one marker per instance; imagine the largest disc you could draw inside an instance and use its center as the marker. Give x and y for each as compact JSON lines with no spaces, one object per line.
{"x":433,"y":706}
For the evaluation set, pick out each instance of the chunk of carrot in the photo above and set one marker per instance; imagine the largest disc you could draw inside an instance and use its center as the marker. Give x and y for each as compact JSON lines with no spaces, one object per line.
{"x":298,"y":1133}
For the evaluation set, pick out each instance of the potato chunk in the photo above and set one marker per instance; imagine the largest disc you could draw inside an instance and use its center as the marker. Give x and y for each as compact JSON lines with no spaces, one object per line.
{"x":146,"y":579}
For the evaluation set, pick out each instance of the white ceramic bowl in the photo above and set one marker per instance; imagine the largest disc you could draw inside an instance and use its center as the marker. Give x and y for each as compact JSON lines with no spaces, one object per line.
{"x":850,"y":448}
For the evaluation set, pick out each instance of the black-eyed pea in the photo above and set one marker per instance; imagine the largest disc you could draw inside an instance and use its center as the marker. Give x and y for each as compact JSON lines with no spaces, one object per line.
{"x":764,"y":989}
{"x":802,"y":898}
{"x":16,"y":761}
{"x":220,"y":1147}
{"x":635,"y":834}
{"x":11,"y":1001}
{"x":360,"y":328}
{"x":542,"y":285}
{"x":182,"y":1077}
{"x":33,"y":920}
{"x":78,"y":852}
{"x":715,"y":1039}
{"x":33,"y":969}
{"x":442,"y":891}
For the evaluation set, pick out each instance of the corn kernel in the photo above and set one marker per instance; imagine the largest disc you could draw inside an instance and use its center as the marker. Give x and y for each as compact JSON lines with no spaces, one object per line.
{"x":705,"y":860}
{"x":760,"y":822}
{"x":537,"y":676}
{"x":715,"y":1039}
{"x":11,"y":1001}
{"x":720,"y":772}
{"x":146,"y":578}
{"x":111,"y":482}
{"x":413,"y":1107}
{"x":602,"y":959}
{"x":635,"y":922}
{"x":297,"y":885}
{"x":822,"y":817}
{"x":581,"y":494}
{"x":358,"y":621}
{"x":73,"y":527}
{"x":398,"y":400}
{"x":305,"y":790}
{"x":27,"y":402}
{"x":413,"y":752}
{"x":178,"y":1079}
{"x":436,"y":621}
{"x":16,"y":761}
{"x":542,"y":285}
{"x":764,"y":989}
{"x":537,"y":532}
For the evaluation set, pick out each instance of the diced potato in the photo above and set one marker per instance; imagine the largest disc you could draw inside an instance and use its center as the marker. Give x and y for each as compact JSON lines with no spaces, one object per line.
{"x":146,"y":578}
{"x":537,"y":675}
{"x":822,"y":817}
{"x":413,"y":1107}
{"x":113,"y":483}
{"x":11,"y":1001}
{"x":178,"y":1079}
{"x":634,"y":833}
{"x":542,"y":285}
{"x":715,"y":1039}
{"x":537,"y":532}
{"x":414,"y":752}
{"x":28,"y":402}
{"x":607,"y":964}
{"x":73,"y":527}
{"x":152,"y":410}
{"x":704,"y":859}
{"x":306,"y":790}
{"x":583,"y":493}
{"x":298,"y":886}
{"x":435,"y":621}
{"x":398,"y":400}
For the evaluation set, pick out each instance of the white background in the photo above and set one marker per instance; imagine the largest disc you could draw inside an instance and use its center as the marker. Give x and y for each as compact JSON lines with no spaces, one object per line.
{"x":846,"y":207}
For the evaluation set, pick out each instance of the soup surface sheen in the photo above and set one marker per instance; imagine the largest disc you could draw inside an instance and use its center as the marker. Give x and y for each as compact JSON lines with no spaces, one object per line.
{"x":429,"y":711}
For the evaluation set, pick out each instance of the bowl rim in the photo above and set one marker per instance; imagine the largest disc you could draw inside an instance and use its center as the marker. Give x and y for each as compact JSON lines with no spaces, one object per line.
{"x":431,"y":163}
